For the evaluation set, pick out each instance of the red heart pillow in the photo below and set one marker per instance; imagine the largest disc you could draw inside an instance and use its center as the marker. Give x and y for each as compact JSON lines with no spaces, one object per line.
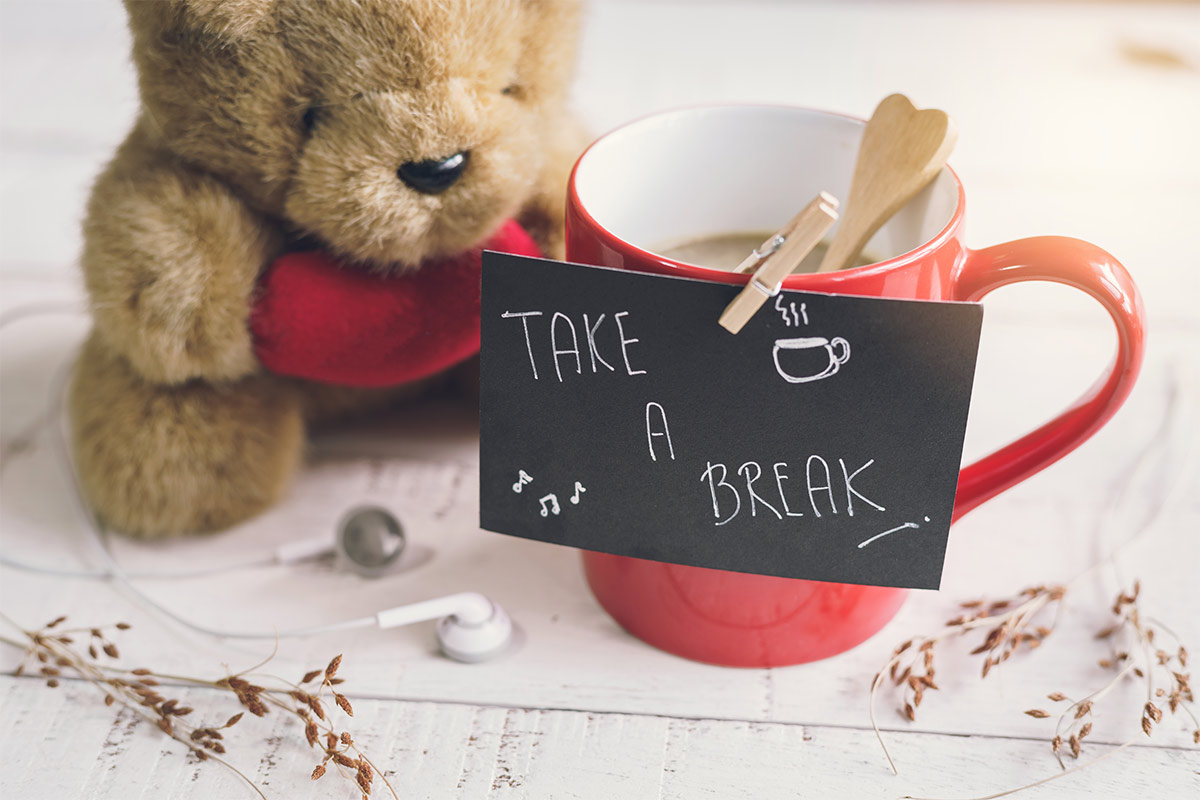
{"x":318,"y":320}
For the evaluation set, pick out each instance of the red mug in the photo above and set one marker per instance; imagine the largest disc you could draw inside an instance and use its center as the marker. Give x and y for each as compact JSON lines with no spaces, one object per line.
{"x":696,"y":172}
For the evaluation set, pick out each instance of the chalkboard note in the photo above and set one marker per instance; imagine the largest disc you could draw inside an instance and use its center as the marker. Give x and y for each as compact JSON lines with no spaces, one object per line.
{"x":821,"y":442}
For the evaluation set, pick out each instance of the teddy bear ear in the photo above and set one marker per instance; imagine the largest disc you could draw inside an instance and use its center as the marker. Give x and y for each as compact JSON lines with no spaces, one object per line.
{"x":225,"y":19}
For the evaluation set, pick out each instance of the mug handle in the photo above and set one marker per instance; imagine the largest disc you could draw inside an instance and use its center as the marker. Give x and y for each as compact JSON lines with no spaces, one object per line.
{"x":1086,"y":267}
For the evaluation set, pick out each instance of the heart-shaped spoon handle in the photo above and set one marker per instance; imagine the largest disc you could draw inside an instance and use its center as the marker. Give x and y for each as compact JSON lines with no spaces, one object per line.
{"x":902,"y":150}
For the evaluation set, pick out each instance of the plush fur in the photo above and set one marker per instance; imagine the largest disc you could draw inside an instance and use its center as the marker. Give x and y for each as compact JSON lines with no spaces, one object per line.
{"x":267,"y":127}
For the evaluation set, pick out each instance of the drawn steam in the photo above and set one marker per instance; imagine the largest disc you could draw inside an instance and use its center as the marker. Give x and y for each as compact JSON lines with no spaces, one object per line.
{"x":791,"y":309}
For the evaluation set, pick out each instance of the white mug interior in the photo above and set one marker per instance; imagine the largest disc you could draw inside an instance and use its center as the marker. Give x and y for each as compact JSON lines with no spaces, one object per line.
{"x":697,"y":172}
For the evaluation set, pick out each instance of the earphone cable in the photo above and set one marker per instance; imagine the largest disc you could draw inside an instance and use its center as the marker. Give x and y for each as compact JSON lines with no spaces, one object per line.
{"x":466,"y":614}
{"x":96,"y":532}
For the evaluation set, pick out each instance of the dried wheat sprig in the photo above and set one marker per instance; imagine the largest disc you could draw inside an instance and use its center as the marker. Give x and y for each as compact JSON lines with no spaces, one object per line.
{"x":1008,"y":632}
{"x":137,"y":690}
{"x":1076,"y":716}
{"x":118,"y":693}
{"x":365,"y":769}
{"x":1170,"y":493}
{"x":1130,"y":621}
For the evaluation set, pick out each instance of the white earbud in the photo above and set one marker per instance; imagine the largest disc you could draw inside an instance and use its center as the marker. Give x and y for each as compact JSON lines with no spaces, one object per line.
{"x":369,"y":541}
{"x":470,"y":627}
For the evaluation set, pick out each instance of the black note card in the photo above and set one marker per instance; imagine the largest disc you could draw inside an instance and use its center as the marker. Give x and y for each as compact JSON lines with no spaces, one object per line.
{"x":822,"y":441}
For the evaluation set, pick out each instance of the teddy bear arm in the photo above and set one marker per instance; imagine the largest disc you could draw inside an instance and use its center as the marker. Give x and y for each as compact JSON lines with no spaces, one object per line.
{"x":170,"y":261}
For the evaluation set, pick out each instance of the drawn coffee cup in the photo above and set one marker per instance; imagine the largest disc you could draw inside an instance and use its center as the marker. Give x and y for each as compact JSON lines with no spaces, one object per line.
{"x":810,"y":343}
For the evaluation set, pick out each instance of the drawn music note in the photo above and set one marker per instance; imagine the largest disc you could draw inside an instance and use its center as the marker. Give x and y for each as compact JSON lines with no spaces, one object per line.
{"x":553,"y":499}
{"x":578,"y":491}
{"x":522,"y":479}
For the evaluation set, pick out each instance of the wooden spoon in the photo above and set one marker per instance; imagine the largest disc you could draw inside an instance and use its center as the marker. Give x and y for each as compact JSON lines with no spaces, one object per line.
{"x":902,"y":150}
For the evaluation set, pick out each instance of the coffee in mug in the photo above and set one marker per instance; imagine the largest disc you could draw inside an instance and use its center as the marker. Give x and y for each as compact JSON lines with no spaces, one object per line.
{"x":727,"y":250}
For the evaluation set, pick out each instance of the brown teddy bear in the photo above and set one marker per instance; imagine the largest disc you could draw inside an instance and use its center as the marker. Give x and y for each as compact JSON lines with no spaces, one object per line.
{"x":389,"y":134}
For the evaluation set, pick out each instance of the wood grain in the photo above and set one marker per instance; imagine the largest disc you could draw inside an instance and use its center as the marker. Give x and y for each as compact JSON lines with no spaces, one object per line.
{"x":1053,"y":141}
{"x":466,"y":751}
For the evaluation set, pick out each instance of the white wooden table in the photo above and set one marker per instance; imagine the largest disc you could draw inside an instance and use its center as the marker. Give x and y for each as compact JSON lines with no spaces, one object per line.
{"x":1067,"y":127}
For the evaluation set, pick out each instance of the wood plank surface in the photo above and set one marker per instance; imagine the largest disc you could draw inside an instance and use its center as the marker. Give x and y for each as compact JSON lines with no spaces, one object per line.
{"x":464,"y":751}
{"x":1104,"y":137}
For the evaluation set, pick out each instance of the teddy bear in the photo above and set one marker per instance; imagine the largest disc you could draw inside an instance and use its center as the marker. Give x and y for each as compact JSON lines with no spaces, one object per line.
{"x":291,"y":232}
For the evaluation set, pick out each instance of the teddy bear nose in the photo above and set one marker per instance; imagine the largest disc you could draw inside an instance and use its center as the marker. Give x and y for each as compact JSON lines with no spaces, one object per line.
{"x":436,"y":175}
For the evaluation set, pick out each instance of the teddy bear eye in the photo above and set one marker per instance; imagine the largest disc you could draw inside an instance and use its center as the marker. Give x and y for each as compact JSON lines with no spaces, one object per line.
{"x":513,"y":90}
{"x":309,"y":120}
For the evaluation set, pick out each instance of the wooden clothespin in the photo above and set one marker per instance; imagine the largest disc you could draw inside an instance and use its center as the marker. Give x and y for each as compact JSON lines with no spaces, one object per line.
{"x":775,"y":259}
